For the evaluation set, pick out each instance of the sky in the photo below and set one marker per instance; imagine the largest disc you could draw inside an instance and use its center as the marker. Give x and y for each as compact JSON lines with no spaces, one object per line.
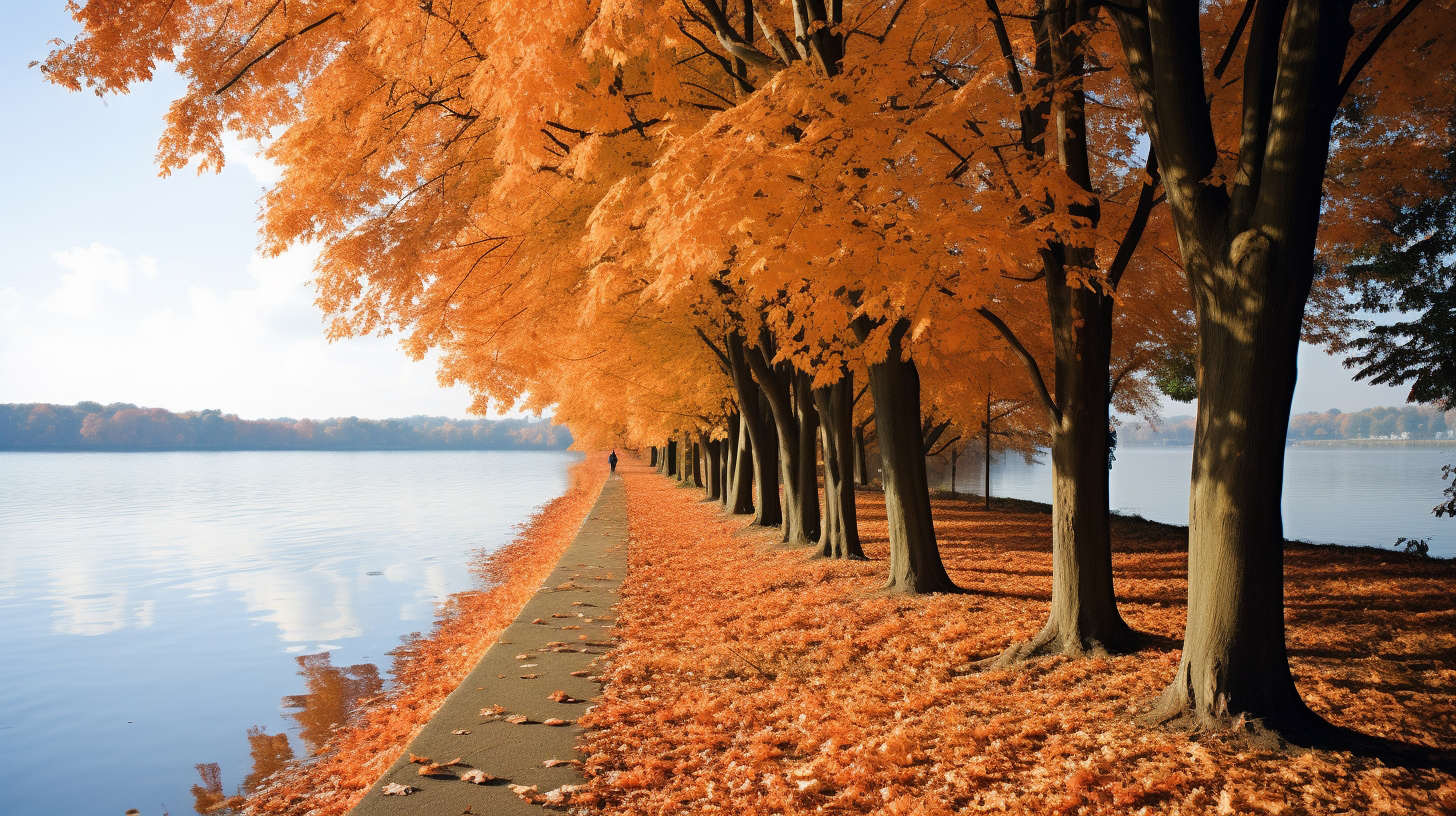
{"x":120,"y":286}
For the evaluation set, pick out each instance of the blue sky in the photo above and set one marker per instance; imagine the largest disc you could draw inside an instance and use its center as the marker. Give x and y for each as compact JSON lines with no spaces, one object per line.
{"x":118,"y":285}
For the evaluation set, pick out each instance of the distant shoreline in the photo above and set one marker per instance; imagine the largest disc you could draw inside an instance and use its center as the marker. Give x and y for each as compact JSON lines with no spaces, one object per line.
{"x":200,"y":449}
{"x":1323,"y":443}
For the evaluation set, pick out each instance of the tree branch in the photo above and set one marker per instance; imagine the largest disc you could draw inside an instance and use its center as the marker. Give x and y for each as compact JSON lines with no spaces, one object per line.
{"x":1369,"y":51}
{"x":1037,"y":381}
{"x":246,"y":68}
{"x":1134,"y":234}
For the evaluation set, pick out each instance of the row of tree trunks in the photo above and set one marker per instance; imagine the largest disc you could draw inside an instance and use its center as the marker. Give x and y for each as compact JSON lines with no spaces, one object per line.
{"x":840,"y":535}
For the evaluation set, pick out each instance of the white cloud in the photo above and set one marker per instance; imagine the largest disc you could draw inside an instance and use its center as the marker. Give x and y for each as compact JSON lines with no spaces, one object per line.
{"x":94,"y":271}
{"x":114,"y":328}
{"x":246,"y":153}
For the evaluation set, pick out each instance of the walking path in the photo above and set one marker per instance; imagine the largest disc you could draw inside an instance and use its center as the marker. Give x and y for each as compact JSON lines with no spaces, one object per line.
{"x":550,"y":648}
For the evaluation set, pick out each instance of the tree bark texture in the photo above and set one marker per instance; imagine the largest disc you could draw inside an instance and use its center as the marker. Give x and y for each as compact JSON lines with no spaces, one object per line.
{"x":840,"y":535}
{"x":1248,"y":252}
{"x":739,"y":482}
{"x":1083,"y":616}
{"x":695,"y":457}
{"x":768,"y":511}
{"x":672,"y":458}
{"x":653,"y":460}
{"x":861,"y":462}
{"x":791,"y":411}
{"x":713,"y":469}
{"x":915,"y":564}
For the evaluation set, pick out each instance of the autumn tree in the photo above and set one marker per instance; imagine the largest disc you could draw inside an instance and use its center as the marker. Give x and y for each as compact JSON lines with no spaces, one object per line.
{"x":1243,"y":163}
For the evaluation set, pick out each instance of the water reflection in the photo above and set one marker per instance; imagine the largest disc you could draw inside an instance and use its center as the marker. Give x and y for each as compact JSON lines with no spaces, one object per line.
{"x":335,"y":694}
{"x":195,"y":578}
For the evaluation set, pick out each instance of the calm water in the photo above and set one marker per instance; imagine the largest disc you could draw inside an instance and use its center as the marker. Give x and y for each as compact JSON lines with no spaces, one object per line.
{"x":156,"y":606}
{"x":1365,"y":495}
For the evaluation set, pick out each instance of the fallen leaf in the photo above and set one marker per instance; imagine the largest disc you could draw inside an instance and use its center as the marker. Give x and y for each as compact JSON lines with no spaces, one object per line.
{"x":460,"y":732}
{"x":554,"y":763}
{"x":523,"y":657}
{"x":562,"y":697}
{"x":419,"y":759}
{"x":476,"y":777}
{"x":439,"y":768}
{"x":558,"y":796}
{"x":540,"y":621}
{"x":396,"y":789}
{"x":560,"y":615}
{"x":529,"y":676}
{"x":524,"y":791}
{"x":581,"y":673}
{"x":553,"y":644}
{"x":518,"y":719}
{"x":570,"y":627}
{"x":555,"y":721}
{"x":494,"y":711}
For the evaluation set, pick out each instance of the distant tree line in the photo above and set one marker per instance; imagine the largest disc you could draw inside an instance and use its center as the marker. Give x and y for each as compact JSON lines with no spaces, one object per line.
{"x":123,"y":426}
{"x":1405,"y":422}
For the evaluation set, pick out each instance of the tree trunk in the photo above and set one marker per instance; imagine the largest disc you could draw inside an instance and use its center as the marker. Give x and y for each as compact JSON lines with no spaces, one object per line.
{"x":776,"y":394}
{"x":955,"y":455}
{"x":739,"y":498}
{"x":653,"y":460}
{"x":672,"y":457}
{"x":1248,"y":252}
{"x":713,"y":469}
{"x":915,"y":564}
{"x":861,"y":462}
{"x":840,"y":536}
{"x":1234,"y":659}
{"x":1084,"y":616}
{"x":987,"y":495}
{"x":768,"y":511}
{"x":806,"y":416}
{"x":697,"y":457}
{"x":688,"y":463}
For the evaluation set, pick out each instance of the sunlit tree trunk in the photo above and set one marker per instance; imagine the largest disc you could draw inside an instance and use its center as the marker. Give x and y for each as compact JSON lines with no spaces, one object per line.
{"x":713,"y":466}
{"x":791,"y":413}
{"x":840,"y":536}
{"x":1248,"y":252}
{"x":763,"y":445}
{"x":739,"y":497}
{"x":915,"y":564}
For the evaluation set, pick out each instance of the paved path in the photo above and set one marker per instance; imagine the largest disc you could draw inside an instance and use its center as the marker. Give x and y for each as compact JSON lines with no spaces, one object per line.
{"x":520,"y":673}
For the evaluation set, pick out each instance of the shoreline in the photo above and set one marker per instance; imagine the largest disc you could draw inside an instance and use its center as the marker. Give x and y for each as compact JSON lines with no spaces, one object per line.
{"x":428,"y":668}
{"x":1132,"y":520}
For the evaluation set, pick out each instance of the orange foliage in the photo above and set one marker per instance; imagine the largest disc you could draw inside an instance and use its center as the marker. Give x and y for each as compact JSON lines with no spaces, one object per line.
{"x":427,"y":668}
{"x":753,"y":679}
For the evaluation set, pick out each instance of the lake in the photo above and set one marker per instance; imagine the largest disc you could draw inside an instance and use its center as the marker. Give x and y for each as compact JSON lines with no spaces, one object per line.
{"x":1333,"y":494}
{"x":158,"y":606}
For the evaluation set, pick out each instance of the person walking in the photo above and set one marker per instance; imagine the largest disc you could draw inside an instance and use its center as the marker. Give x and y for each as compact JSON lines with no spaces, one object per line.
{"x":612,"y":460}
